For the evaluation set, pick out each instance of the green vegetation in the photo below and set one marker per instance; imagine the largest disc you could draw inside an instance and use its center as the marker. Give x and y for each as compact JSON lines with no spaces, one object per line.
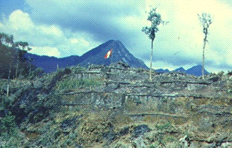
{"x":10,"y":135}
{"x":163,"y":126}
{"x":8,"y":125}
{"x":72,"y":84}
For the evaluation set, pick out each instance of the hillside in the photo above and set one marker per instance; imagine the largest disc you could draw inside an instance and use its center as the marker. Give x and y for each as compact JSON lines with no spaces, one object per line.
{"x":50,"y":64}
{"x":117,"y":106}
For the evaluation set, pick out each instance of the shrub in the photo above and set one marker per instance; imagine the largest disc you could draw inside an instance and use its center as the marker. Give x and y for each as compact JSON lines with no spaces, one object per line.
{"x":10,"y":135}
{"x":8,"y":125}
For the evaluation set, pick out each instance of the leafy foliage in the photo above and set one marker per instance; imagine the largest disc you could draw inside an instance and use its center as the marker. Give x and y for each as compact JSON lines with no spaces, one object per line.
{"x":155,"y":19}
{"x":205,"y":20}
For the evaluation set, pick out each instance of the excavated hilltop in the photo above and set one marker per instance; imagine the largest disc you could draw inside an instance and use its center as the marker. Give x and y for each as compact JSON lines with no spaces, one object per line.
{"x":119,"y":107}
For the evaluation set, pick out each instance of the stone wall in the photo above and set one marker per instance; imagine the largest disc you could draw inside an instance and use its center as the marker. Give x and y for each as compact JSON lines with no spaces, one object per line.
{"x":176,"y":98}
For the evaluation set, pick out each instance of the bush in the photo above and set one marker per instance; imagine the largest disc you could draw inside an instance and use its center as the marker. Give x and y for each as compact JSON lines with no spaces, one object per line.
{"x":8,"y":125}
{"x":10,"y":135}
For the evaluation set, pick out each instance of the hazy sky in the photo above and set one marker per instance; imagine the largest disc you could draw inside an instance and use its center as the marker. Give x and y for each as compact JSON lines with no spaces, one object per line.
{"x":72,"y":27}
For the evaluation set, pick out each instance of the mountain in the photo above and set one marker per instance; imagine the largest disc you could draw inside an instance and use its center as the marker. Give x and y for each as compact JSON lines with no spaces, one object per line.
{"x":181,"y":70}
{"x":119,"y":53}
{"x":195,"y":70}
{"x":94,"y":56}
{"x":50,"y":64}
{"x":162,"y":70}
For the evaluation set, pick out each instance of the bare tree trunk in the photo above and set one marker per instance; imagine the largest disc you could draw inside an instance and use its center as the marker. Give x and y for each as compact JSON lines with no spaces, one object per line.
{"x":17,"y":66}
{"x":30,"y":70}
{"x":151,"y":58}
{"x":203,"y":58}
{"x":203,"y":63}
{"x":8,"y":83}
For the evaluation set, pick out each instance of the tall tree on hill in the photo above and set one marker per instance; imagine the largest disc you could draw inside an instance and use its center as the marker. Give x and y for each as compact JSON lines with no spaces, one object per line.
{"x":12,"y":57}
{"x":20,"y":53}
{"x":6,"y":55}
{"x":6,"y":39}
{"x":205,"y":20}
{"x":155,"y":19}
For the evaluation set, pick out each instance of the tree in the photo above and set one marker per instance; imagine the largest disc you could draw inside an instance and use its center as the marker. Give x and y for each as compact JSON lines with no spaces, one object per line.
{"x":6,"y":39}
{"x":155,"y":19}
{"x":12,"y":59}
{"x":6,"y":55}
{"x":20,"y":53}
{"x":205,"y":20}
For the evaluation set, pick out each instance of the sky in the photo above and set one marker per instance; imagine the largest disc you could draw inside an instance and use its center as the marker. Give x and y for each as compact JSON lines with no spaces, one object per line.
{"x":63,"y":28}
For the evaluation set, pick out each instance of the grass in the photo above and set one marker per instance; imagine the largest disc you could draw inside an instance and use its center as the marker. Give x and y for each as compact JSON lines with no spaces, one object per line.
{"x":163,"y":126}
{"x":71,"y":84}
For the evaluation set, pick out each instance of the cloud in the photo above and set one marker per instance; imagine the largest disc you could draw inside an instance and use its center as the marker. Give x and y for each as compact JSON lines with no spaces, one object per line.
{"x":184,"y":33}
{"x":49,"y":51}
{"x":19,"y":20}
{"x":104,"y":20}
{"x":1,"y":25}
{"x":45,"y":39}
{"x":74,"y":27}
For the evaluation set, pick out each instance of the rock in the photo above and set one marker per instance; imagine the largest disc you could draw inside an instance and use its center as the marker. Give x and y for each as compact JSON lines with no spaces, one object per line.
{"x":185,"y":141}
{"x":124,"y":131}
{"x":140,"y":130}
{"x":214,"y":78}
{"x":226,"y":145}
{"x":139,"y":143}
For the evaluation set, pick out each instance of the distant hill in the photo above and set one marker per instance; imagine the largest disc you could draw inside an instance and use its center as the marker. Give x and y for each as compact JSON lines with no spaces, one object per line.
{"x":119,"y":53}
{"x":181,"y":70}
{"x":94,"y":56}
{"x":195,"y":70}
{"x":162,"y":70}
{"x":49,"y":64}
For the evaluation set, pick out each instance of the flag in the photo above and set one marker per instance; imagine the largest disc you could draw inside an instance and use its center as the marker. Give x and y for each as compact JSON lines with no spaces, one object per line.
{"x":108,"y":54}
